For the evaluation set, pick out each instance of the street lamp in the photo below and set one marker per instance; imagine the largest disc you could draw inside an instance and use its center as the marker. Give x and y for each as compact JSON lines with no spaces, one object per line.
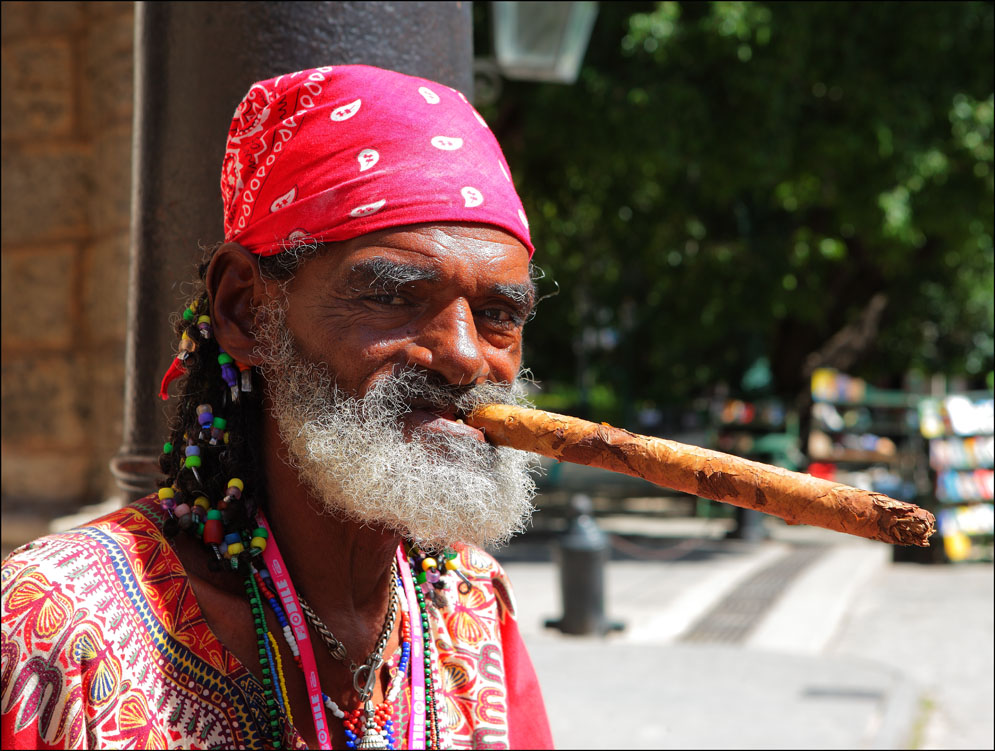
{"x":542,"y":41}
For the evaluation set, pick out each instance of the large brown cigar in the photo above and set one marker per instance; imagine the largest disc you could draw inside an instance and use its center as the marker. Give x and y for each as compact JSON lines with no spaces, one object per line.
{"x":795,"y":497}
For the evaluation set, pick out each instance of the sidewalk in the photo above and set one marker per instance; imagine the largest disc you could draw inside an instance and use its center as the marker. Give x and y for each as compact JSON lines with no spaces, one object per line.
{"x":811,"y":639}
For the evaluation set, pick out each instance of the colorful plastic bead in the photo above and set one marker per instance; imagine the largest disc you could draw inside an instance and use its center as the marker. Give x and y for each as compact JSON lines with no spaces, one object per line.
{"x":204,"y":326}
{"x":214,"y":530}
{"x":187,"y":345}
{"x":428,"y":563}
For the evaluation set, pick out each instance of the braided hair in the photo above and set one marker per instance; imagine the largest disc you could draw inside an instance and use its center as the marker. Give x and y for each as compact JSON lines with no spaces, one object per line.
{"x":229,"y":447}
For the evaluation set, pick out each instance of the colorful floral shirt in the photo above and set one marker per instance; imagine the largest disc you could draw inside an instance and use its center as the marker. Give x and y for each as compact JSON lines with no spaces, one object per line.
{"x":104,"y":646}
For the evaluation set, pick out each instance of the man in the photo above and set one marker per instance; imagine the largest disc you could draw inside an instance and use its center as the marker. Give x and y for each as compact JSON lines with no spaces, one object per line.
{"x":309,"y":575}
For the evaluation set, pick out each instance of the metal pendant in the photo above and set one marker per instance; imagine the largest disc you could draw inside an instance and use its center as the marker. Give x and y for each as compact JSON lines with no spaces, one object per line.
{"x":371,"y":737}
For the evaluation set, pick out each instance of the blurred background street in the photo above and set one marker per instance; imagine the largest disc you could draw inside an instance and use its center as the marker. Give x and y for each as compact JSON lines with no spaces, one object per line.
{"x":809,"y":639}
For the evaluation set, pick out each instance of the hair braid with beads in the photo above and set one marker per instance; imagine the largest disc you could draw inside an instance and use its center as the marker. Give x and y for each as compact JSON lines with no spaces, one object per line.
{"x":240,"y":453}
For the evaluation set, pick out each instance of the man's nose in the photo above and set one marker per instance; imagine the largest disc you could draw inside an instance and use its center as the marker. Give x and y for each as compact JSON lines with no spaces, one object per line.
{"x":448,"y":344}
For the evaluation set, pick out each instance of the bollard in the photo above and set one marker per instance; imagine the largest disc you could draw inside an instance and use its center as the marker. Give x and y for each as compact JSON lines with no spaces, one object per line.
{"x":581,"y":554}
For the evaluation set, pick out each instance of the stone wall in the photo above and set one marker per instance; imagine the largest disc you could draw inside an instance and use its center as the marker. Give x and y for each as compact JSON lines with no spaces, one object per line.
{"x":66,"y":150}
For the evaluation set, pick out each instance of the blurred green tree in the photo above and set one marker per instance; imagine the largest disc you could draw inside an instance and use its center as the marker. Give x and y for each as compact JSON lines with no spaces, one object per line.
{"x":810,"y":183}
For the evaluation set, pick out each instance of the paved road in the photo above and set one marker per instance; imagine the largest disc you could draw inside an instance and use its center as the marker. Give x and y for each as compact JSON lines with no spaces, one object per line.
{"x":850,"y":650}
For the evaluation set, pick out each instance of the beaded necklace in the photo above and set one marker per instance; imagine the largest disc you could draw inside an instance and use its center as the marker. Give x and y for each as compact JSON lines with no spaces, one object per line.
{"x":383,"y":714}
{"x":275,"y":580}
{"x":375,"y":733}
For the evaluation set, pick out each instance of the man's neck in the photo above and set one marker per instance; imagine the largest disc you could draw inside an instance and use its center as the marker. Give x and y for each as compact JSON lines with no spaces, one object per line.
{"x":342,"y":568}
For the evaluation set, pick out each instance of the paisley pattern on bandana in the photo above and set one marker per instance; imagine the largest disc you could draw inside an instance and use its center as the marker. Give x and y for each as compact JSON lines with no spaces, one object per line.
{"x":332,"y":153}
{"x":104,"y":646}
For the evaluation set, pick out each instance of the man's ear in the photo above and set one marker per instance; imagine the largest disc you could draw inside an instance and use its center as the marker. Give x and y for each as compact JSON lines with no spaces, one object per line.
{"x":235,"y":288}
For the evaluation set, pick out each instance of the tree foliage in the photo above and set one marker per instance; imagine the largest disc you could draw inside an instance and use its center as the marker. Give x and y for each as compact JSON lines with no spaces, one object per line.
{"x":810,"y":183}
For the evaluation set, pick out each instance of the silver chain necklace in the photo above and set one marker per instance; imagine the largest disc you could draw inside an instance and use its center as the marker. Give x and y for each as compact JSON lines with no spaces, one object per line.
{"x":371,"y":738}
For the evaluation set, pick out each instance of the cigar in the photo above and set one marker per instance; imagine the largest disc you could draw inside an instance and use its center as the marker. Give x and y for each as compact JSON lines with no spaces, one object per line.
{"x":793,"y":496}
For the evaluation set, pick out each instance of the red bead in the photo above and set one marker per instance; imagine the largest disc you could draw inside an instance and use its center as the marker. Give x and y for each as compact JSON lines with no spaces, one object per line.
{"x":214,"y":531}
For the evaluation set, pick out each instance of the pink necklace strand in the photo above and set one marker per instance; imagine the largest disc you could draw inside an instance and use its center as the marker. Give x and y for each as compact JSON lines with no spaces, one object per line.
{"x":416,"y":727}
{"x":291,"y":605}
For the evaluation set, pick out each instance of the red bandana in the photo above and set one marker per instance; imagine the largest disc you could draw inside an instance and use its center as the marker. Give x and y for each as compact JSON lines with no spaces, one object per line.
{"x":333,"y":153}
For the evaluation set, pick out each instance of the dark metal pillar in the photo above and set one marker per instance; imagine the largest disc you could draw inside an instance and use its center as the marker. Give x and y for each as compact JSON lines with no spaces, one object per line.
{"x":193,"y":63}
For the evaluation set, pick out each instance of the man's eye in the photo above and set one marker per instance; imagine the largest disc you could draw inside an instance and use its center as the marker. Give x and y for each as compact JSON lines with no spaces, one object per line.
{"x":387,"y":299}
{"x":498,"y":315}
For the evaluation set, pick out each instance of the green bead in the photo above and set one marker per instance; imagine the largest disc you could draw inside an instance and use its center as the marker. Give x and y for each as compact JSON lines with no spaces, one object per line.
{"x":188,"y":315}
{"x":224,"y":359}
{"x":260,"y":532}
{"x":167,"y":448}
{"x":192,"y":461}
{"x":214,"y":514}
{"x":267,"y":682}
{"x":200,"y":529}
{"x":421,"y":577}
{"x":220,"y":423}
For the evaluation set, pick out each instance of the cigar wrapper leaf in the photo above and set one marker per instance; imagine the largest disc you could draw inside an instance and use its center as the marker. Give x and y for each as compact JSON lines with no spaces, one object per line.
{"x":793,"y":496}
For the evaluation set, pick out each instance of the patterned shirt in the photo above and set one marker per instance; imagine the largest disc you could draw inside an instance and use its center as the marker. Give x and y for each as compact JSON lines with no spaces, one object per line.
{"x":105,"y":646}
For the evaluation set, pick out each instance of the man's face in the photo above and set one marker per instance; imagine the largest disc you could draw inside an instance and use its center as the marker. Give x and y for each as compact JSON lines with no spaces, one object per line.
{"x":372,"y":355}
{"x":448,"y":298}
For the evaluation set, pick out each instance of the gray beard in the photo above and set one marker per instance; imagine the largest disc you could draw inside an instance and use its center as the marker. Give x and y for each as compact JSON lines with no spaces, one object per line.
{"x":435,"y":488}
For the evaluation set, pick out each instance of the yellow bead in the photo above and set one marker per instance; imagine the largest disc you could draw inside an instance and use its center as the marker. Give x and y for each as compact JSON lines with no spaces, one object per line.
{"x":235,"y":548}
{"x":428,"y":563}
{"x":237,"y":483}
{"x":258,"y":542}
{"x":204,"y":319}
{"x":165,"y":493}
{"x":203,"y":503}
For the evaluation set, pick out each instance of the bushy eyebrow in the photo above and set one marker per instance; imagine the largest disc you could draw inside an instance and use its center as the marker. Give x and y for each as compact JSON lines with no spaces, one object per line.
{"x":388,"y":275}
{"x":523,"y":295}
